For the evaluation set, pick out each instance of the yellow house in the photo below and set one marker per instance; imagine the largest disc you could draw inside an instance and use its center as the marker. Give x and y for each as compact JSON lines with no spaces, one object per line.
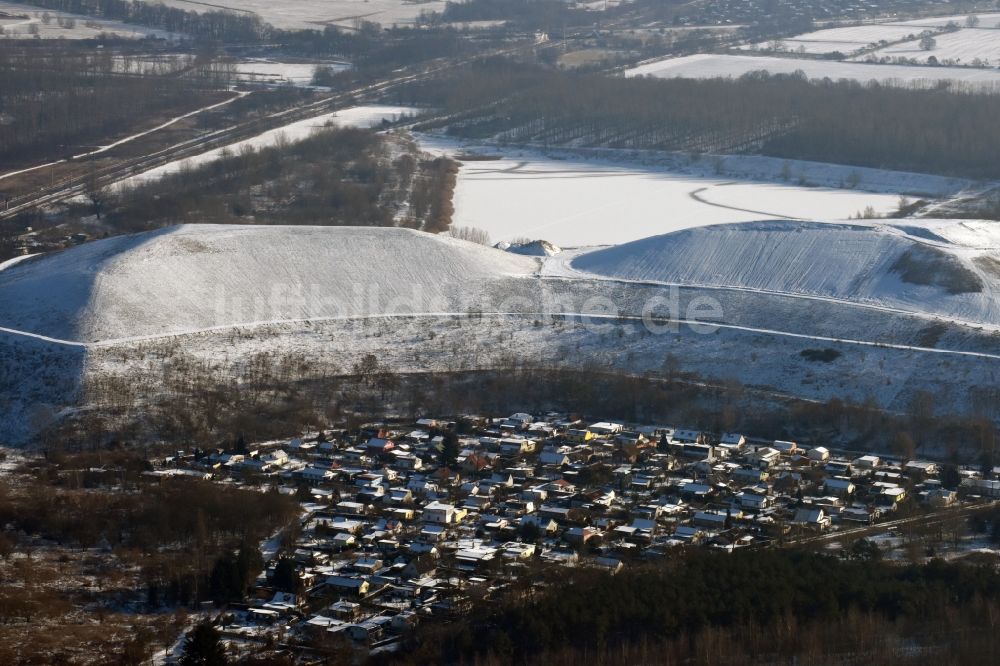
{"x":579,"y":436}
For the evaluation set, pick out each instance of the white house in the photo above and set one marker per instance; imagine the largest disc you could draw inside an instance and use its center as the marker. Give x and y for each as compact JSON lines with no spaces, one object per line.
{"x":818,"y":454}
{"x":439,"y":513}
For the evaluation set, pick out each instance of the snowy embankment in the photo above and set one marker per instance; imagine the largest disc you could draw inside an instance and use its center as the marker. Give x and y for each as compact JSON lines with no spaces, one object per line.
{"x":358,"y":116}
{"x":711,"y":66}
{"x":597,"y":197}
{"x":948,"y":269}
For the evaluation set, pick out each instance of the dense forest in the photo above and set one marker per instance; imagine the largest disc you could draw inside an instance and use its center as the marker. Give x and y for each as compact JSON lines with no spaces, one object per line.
{"x":334,"y":177}
{"x":748,"y":607}
{"x":936,"y":131}
{"x":58,"y":101}
{"x":181,"y":534}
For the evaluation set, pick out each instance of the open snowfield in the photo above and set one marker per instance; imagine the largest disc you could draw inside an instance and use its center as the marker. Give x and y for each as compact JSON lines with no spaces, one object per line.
{"x":316,"y":14}
{"x":846,"y":40}
{"x":281,"y":73}
{"x":574,"y":200}
{"x":20,"y":21}
{"x":851,"y":39}
{"x":962,"y":47}
{"x":708,"y":66}
{"x":986,"y":20}
{"x":358,"y":116}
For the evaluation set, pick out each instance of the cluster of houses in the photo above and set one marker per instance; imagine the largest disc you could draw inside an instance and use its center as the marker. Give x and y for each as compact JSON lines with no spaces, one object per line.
{"x":406,"y":523}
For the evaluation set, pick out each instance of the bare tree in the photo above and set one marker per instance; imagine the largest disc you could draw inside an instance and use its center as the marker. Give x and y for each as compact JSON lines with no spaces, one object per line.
{"x":471,"y":234}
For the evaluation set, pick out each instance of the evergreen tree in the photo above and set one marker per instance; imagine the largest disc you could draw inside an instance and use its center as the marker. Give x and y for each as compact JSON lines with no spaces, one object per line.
{"x":286,"y":576}
{"x":202,"y":647}
{"x":449,"y":449}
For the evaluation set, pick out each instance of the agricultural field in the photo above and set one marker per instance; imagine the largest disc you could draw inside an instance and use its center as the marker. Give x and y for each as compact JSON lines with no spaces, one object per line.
{"x":708,"y":66}
{"x":859,"y":40}
{"x":317,"y":14}
{"x":980,"y":46}
{"x":846,"y":40}
{"x":27,"y":22}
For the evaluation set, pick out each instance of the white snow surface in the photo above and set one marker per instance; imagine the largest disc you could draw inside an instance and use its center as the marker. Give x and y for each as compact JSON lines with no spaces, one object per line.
{"x":709,"y":66}
{"x":357,"y":116}
{"x":962,"y":46}
{"x":199,"y":277}
{"x":989,"y":19}
{"x":576,"y":199}
{"x":839,"y":261}
{"x":846,"y":40}
{"x":285,"y":73}
{"x":850,"y":39}
{"x":21,"y":20}
{"x":317,"y":14}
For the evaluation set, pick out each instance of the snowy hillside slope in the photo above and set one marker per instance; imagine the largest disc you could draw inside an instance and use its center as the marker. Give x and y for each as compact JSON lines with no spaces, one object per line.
{"x":195,"y":277}
{"x":944,"y":268}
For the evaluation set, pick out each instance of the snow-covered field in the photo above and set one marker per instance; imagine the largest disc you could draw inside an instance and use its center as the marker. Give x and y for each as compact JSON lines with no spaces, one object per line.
{"x":358,"y":116}
{"x":708,"y":66}
{"x":281,"y":73}
{"x":575,"y":200}
{"x":315,"y":14}
{"x":962,"y":47}
{"x":25,"y":21}
{"x":987,"y":20}
{"x":848,"y":40}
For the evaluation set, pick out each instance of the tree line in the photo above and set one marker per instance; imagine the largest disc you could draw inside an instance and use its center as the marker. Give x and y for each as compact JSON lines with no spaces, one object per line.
{"x":750,"y":606}
{"x":59,"y":100}
{"x":337,"y":176}
{"x":945,"y":130}
{"x":218,"y":26}
{"x":192,"y":540}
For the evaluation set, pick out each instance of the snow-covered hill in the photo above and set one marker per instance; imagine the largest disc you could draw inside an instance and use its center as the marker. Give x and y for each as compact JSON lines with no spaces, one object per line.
{"x":945,"y":268}
{"x":197,"y":277}
{"x":218,"y":296}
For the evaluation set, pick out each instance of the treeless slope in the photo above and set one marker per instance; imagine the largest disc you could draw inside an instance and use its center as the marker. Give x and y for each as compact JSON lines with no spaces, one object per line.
{"x":911,"y":265}
{"x":196,"y":277}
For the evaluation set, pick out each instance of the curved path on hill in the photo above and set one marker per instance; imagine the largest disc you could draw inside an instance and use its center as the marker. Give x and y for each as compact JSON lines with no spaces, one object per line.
{"x":560,"y":267}
{"x":582,"y":316}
